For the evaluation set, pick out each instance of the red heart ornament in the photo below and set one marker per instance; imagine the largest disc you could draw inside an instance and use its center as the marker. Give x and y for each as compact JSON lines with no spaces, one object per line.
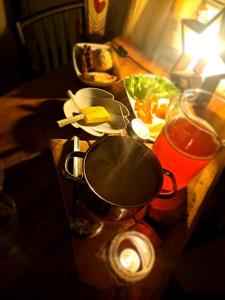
{"x":99,"y":5}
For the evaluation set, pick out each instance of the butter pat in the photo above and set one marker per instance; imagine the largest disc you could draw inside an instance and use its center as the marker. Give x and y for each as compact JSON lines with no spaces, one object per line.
{"x":95,"y":114}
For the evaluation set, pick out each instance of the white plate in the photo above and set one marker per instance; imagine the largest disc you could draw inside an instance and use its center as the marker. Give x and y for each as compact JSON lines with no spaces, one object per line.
{"x":158,"y":123}
{"x":116,"y":125}
{"x":76,"y":60}
{"x":131,"y":100}
{"x":90,"y":92}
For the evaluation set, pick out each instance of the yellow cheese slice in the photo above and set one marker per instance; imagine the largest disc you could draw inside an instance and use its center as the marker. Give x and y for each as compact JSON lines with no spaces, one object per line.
{"x":95,"y":114}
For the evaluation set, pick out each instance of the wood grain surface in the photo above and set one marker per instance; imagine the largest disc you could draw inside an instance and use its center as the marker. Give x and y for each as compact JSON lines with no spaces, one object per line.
{"x":41,"y":259}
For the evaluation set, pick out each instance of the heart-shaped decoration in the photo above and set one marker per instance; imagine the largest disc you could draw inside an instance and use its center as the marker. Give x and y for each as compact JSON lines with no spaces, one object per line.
{"x":99,"y":5}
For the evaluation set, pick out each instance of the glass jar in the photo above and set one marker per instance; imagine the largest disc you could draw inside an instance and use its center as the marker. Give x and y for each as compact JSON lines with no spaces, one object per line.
{"x":131,"y":256}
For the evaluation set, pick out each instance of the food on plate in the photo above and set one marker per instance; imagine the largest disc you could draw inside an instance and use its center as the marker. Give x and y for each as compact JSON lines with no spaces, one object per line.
{"x":92,"y":114}
{"x":160,"y":107}
{"x":142,"y":87}
{"x":99,"y":77}
{"x":155,"y":127}
{"x":151,"y":95}
{"x":102,"y":60}
{"x":86,"y":59}
{"x":96,"y":64}
{"x":95,"y":114}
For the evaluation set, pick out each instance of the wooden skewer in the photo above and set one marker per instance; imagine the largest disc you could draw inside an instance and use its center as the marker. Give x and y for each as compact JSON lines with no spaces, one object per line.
{"x":67,"y":121}
{"x":73,"y":97}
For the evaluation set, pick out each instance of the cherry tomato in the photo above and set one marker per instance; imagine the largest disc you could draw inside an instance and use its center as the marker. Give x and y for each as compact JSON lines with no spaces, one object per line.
{"x":161,"y":110}
{"x":144,"y":113}
{"x":137,"y":104}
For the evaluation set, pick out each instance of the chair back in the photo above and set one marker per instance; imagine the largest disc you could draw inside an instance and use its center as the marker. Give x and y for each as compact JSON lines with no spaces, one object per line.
{"x":46,"y":38}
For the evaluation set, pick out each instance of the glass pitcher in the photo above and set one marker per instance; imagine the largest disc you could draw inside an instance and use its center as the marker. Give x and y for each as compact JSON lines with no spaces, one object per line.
{"x":193,"y":133}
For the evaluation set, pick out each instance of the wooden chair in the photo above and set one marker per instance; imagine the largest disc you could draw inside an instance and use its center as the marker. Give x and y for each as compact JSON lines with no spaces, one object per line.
{"x":46,"y":38}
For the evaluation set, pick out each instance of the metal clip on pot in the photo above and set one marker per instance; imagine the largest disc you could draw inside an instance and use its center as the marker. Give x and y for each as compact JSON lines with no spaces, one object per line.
{"x":67,"y":173}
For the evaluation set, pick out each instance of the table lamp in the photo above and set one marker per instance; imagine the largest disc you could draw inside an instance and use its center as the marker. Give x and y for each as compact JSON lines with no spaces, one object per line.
{"x":201,"y":63}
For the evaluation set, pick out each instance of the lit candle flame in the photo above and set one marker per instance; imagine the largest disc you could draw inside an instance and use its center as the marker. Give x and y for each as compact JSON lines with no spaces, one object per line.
{"x":130,"y":260}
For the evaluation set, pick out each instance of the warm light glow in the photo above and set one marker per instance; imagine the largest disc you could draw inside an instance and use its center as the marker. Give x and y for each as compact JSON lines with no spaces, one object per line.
{"x":207,"y":46}
{"x":130,"y":260}
{"x":207,"y":13}
{"x":203,"y":45}
{"x":215,"y":66}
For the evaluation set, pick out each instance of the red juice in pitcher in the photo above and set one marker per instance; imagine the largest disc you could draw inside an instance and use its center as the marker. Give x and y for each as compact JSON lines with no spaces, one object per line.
{"x":184,"y":147}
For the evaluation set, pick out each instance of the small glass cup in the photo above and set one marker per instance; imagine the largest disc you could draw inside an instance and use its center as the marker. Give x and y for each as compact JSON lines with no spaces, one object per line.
{"x":137,"y":130}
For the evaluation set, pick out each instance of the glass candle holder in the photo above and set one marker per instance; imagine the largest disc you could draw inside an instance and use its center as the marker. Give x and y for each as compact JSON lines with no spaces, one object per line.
{"x":131,"y":256}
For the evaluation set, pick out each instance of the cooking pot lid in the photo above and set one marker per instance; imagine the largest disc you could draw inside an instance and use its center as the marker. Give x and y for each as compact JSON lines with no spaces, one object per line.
{"x":122,"y":171}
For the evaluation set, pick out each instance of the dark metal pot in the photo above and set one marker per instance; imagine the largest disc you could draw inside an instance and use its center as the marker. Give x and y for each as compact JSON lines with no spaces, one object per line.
{"x":122,"y":176}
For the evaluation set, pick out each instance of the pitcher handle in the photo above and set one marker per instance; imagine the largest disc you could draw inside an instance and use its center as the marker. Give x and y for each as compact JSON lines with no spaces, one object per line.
{"x":66,"y":171}
{"x":165,"y":195}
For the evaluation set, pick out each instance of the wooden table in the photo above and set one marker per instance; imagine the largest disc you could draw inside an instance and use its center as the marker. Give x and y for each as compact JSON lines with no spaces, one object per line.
{"x":40,"y":255}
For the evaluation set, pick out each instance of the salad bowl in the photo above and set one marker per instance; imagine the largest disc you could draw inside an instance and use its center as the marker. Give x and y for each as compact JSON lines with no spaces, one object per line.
{"x":149,"y":96}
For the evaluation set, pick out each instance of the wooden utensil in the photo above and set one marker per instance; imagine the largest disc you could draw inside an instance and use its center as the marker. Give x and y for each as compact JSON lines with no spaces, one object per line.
{"x":70,"y":120}
{"x":90,"y":115}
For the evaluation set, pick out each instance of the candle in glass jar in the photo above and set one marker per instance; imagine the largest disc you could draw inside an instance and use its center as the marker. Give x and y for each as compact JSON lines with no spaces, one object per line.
{"x":130,"y":260}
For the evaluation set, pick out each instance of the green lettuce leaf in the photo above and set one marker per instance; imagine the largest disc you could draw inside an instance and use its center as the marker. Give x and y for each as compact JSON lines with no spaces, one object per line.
{"x":141,"y":87}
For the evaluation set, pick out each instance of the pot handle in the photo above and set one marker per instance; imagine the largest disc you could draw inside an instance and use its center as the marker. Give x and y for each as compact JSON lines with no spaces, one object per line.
{"x":165,"y":195}
{"x":66,"y":171}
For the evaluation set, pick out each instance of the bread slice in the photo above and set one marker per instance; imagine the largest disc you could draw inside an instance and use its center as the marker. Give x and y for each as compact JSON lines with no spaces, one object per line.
{"x":99,"y":77}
